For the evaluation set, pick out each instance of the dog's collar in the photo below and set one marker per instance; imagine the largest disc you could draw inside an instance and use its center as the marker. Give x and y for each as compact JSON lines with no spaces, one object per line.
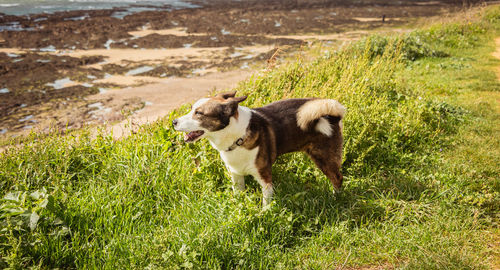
{"x":238,"y":142}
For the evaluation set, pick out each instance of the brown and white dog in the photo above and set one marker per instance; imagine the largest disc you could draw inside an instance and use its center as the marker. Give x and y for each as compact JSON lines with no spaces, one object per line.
{"x":250,"y":140}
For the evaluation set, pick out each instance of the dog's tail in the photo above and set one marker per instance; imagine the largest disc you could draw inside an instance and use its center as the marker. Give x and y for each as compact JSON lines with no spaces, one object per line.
{"x":321,"y":111}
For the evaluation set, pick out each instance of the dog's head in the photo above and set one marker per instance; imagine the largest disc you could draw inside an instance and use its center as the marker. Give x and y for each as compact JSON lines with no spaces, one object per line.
{"x":208,"y":115}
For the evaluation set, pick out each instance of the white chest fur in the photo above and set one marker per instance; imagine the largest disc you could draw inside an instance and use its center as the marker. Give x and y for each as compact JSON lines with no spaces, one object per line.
{"x":240,"y":160}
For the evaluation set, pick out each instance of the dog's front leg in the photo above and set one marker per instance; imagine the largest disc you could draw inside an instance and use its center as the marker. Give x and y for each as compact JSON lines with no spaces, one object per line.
{"x":267,"y":194}
{"x":238,"y":182}
{"x":265,"y":180}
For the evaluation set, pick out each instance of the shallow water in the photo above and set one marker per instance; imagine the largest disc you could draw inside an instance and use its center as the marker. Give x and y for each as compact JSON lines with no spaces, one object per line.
{"x":59,"y":84}
{"x":139,"y":70}
{"x":26,"y":118}
{"x":79,"y":18}
{"x":235,"y":54}
{"x":98,"y":109}
{"x":97,"y":105}
{"x":108,"y":43}
{"x":49,"y":48}
{"x":14,"y":26}
{"x":199,"y":70}
{"x":131,"y":10}
{"x":245,"y":66}
{"x":25,"y":7}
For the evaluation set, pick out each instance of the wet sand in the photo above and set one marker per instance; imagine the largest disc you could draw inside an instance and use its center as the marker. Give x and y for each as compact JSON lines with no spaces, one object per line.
{"x":64,"y":72}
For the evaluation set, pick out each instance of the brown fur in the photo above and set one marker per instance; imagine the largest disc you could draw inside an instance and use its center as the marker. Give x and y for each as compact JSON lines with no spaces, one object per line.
{"x":215,"y":114}
{"x":275,"y":130}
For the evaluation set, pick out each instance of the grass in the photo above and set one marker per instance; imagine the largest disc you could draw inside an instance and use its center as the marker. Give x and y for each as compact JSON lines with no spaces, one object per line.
{"x":421,"y":166}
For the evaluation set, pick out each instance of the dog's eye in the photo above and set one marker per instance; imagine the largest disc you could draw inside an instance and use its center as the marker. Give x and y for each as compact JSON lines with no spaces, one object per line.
{"x":198,"y":113}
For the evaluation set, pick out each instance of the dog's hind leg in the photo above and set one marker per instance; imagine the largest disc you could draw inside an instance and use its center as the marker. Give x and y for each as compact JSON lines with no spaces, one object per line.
{"x":328,"y":160}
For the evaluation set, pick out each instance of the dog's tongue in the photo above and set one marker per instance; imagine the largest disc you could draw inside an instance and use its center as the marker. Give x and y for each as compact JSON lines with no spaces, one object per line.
{"x":193,"y":135}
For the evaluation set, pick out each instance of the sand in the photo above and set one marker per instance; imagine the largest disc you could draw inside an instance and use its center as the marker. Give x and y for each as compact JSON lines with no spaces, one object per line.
{"x":162,"y":97}
{"x":178,"y":31}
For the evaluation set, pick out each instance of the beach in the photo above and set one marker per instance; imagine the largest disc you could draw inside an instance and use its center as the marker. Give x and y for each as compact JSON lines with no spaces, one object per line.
{"x":70,"y":69}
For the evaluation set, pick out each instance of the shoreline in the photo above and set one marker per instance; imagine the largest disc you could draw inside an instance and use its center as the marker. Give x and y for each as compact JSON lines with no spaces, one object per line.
{"x":121,"y":9}
{"x":49,"y":72}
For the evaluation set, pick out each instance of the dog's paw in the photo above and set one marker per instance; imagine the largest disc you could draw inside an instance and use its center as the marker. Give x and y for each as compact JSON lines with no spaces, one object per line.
{"x":267,"y":206}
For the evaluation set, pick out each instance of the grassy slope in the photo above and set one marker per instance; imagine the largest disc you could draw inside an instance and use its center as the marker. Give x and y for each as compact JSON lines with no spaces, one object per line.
{"x":421,"y":175}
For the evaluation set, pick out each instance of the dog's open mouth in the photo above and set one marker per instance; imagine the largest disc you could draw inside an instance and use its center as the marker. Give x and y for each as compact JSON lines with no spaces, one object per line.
{"x":193,"y":135}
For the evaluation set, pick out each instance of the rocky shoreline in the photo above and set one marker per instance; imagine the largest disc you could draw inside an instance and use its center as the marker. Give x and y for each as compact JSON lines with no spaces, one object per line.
{"x":51,"y":63}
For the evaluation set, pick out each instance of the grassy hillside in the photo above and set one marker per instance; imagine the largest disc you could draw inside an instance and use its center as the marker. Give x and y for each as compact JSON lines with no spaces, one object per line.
{"x":421,"y":167}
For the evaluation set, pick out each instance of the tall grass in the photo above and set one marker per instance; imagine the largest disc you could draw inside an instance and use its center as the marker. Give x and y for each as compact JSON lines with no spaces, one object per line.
{"x":151,"y":201}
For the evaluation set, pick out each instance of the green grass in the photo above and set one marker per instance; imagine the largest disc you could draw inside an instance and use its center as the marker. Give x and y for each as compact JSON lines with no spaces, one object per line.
{"x":421,"y":166}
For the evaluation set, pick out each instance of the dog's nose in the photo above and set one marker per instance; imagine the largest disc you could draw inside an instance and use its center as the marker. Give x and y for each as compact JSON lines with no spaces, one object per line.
{"x":174,"y":122}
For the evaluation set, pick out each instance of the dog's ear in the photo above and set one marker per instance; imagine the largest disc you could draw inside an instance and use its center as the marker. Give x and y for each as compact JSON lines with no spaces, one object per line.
{"x":233,"y":102}
{"x":231,"y":105}
{"x":239,"y":99}
{"x":226,"y":95}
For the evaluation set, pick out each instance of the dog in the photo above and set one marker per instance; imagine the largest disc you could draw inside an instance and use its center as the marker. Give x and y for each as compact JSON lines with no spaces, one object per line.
{"x":250,"y":140}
